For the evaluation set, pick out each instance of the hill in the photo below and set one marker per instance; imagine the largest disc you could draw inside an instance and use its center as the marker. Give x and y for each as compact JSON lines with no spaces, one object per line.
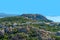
{"x":25,"y":18}
{"x":36,"y":17}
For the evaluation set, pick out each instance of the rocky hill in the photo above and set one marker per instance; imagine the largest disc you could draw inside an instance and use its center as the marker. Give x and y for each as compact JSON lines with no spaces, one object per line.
{"x":25,"y":18}
{"x":36,"y":17}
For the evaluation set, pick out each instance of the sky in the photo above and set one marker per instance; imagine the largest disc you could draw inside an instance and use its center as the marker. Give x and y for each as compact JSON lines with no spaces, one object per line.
{"x":45,"y":7}
{"x":54,"y":18}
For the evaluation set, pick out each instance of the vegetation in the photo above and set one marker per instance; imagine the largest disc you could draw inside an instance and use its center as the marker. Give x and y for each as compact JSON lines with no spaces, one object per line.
{"x":21,"y":21}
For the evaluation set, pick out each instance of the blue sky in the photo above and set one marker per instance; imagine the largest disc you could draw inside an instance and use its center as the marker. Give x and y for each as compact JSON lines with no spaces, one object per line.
{"x":44,"y":7}
{"x":54,"y":18}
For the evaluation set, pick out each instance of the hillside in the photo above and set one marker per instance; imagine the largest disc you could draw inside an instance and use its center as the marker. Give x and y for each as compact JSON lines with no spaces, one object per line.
{"x":37,"y":17}
{"x":36,"y":26}
{"x":25,"y":18}
{"x":14,"y":19}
